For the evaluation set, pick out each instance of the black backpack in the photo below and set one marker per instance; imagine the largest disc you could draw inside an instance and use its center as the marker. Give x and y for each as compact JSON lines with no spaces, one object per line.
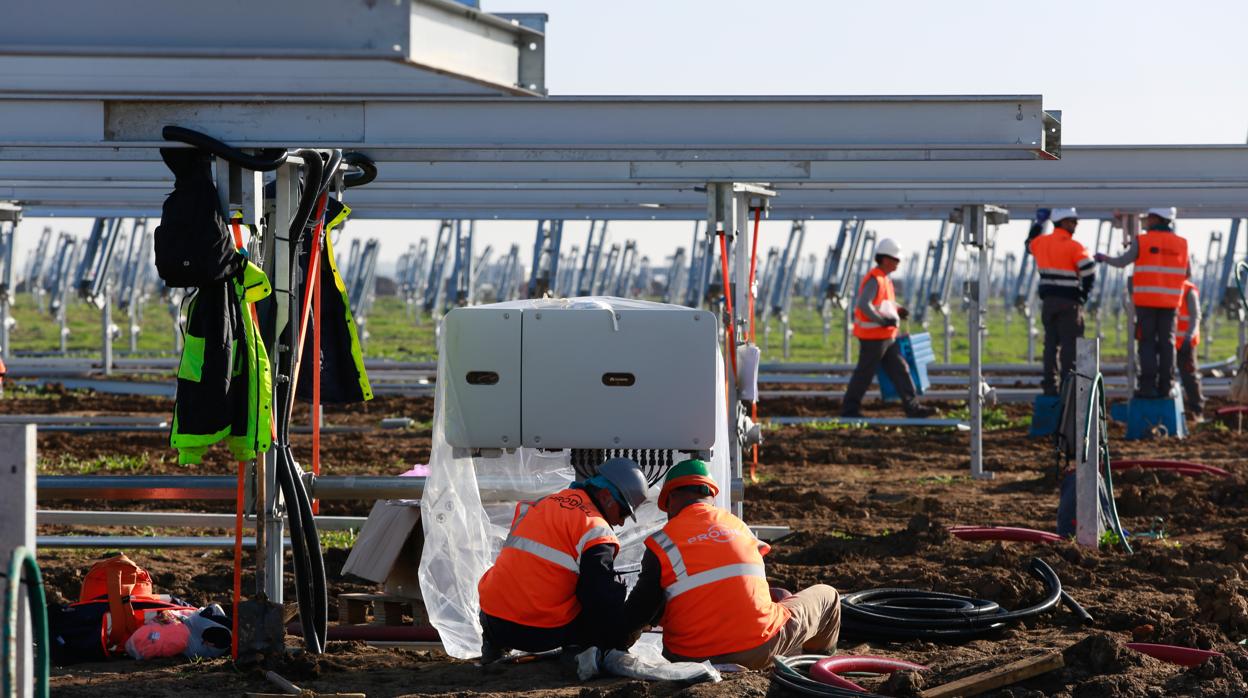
{"x":193,"y":243}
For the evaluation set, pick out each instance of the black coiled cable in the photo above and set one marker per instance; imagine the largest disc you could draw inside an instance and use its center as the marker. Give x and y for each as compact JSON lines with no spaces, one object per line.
{"x":894,"y":615}
{"x":266,"y":160}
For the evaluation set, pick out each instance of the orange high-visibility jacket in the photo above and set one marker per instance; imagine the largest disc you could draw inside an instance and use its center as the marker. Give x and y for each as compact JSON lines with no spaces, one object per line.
{"x":718,"y":599}
{"x":1160,"y":270}
{"x":1063,"y":264}
{"x":1184,"y":318}
{"x":864,"y":327}
{"x":533,"y":582}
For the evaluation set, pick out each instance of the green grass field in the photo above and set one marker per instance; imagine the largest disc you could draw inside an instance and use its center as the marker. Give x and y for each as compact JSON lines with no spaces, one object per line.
{"x":392,"y":333}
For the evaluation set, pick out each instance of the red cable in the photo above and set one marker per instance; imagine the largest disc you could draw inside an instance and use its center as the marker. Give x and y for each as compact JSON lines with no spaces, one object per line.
{"x":316,"y":381}
{"x":730,"y":335}
{"x":238,"y":507}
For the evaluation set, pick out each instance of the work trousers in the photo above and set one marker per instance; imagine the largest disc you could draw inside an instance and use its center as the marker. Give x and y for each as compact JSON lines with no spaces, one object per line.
{"x":1155,"y":330}
{"x":813,"y":628}
{"x":1063,"y":324}
{"x":871,"y":354}
{"x":506,"y":635}
{"x":1189,"y":373}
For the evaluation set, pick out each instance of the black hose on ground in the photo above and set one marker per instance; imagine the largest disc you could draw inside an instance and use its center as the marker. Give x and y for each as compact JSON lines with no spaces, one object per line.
{"x":266,"y":160}
{"x":913,"y":614}
{"x":791,"y":673}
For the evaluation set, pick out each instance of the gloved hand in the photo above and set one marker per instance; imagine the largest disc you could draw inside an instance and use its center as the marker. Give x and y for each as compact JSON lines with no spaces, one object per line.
{"x":1100,"y":257}
{"x":903,"y":313}
{"x":889,"y":322}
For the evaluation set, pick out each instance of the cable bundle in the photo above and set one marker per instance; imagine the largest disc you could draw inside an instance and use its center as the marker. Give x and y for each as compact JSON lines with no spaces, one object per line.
{"x":894,"y":615}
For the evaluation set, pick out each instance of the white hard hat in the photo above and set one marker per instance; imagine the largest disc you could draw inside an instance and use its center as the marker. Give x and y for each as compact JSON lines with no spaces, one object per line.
{"x":888,"y":247}
{"x":1060,"y":214}
{"x":1167,"y":212}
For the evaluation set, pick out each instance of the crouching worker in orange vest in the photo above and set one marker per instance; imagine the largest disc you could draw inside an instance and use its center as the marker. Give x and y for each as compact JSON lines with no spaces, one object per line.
{"x":702,"y":579}
{"x":554,"y":584}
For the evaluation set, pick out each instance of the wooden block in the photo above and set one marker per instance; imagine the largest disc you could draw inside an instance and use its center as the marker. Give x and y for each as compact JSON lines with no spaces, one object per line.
{"x":352,"y":611}
{"x":985,"y":681}
{"x":390,"y":612}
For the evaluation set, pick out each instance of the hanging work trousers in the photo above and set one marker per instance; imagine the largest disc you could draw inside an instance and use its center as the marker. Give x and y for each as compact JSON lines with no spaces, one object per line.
{"x":1155,"y":329}
{"x":871,"y":354}
{"x":1063,"y":324}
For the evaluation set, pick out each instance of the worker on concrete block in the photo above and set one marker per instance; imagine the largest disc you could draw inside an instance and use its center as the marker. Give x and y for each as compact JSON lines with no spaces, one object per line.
{"x":702,"y":579}
{"x":1186,"y":339}
{"x":1067,"y":274}
{"x":876,"y":316}
{"x":1161,"y":267}
{"x":554,"y":584}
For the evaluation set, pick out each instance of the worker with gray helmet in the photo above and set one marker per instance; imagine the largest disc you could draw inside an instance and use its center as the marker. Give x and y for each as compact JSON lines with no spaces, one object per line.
{"x":876,"y":317}
{"x":554,"y":583}
{"x":1161,"y":266}
{"x":1067,"y":274}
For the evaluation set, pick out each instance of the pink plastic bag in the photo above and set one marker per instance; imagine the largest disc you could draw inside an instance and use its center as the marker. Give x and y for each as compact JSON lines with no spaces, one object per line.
{"x":164,"y":636}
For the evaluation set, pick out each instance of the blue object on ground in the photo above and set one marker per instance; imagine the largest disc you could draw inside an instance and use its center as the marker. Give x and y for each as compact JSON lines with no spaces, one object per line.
{"x":916,"y":349}
{"x":1044,"y":414}
{"x":1149,"y":417}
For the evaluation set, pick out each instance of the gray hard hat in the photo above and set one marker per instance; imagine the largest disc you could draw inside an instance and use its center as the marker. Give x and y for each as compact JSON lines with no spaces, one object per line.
{"x":626,"y":477}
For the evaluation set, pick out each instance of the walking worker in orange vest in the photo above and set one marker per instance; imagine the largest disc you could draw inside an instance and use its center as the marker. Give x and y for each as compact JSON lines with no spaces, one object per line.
{"x":876,"y":316}
{"x":1067,"y":274}
{"x":554,"y":584}
{"x":1186,"y":339}
{"x":702,"y":579}
{"x":1161,"y":267}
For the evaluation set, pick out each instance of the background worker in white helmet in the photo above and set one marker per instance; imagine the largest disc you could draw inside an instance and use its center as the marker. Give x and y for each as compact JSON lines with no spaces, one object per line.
{"x":876,"y":317}
{"x":1067,"y":274}
{"x":1161,"y":267}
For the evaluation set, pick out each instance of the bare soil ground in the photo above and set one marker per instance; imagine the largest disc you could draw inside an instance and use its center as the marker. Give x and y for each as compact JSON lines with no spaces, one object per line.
{"x":868,"y":508}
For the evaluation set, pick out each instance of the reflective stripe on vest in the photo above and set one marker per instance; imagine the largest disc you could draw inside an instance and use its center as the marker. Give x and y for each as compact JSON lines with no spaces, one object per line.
{"x":1062,"y":264}
{"x":716,"y":574}
{"x":543,"y":551}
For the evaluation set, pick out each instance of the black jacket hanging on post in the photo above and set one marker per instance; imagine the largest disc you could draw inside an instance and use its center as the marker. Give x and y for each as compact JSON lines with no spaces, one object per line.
{"x":223,"y":375}
{"x":343,"y":378}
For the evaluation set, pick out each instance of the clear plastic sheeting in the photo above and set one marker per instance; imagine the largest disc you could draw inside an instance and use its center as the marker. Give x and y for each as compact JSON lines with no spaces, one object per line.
{"x":469,"y":500}
{"x":643,"y":663}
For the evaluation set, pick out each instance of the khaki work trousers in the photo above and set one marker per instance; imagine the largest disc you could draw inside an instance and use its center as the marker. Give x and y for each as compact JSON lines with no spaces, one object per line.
{"x":813,"y":629}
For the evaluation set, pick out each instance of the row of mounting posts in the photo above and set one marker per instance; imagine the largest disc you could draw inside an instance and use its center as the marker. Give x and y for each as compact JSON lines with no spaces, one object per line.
{"x":544,"y":273}
{"x":588,"y":278}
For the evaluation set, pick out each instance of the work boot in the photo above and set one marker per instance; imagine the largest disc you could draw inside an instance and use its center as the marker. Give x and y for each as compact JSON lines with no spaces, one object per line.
{"x":489,"y":653}
{"x":918,"y":411}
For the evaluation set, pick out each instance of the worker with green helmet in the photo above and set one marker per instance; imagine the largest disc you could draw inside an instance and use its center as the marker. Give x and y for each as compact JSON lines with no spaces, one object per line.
{"x":703,"y":579}
{"x":554,"y":584}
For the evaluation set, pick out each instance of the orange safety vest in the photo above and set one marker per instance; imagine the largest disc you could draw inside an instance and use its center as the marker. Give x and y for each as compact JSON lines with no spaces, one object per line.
{"x":1160,"y":270}
{"x":1062,"y":263}
{"x":1184,"y":319}
{"x":718,"y":599}
{"x":533,"y":582}
{"x":864,"y":327}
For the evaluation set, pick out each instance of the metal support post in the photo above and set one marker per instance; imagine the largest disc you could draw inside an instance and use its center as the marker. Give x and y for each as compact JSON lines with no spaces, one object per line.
{"x":975,"y":221}
{"x":7,"y":287}
{"x":1130,"y":225}
{"x":106,"y":321}
{"x":271,"y":516}
{"x":17,"y":527}
{"x":1088,"y":527}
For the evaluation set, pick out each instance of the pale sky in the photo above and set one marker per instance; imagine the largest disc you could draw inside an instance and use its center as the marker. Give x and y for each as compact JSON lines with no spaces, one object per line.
{"x":1122,"y":72}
